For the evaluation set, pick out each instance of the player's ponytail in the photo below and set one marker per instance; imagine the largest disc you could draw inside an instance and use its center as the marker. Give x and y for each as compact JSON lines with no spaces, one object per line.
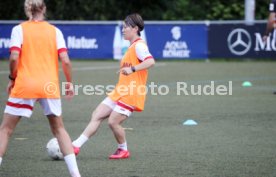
{"x":34,"y":7}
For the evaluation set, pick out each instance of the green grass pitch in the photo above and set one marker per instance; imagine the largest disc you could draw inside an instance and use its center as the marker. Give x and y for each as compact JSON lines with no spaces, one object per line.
{"x":235,"y":135}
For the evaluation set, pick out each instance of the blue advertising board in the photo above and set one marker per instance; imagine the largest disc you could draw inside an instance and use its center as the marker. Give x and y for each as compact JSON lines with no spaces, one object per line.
{"x":183,"y":41}
{"x":105,"y":40}
{"x":89,"y":41}
{"x":83,"y":41}
{"x":240,"y":41}
{"x":5,"y":33}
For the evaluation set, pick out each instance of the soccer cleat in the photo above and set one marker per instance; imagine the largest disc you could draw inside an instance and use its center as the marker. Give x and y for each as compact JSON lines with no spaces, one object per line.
{"x":76,"y":150}
{"x":120,"y":154}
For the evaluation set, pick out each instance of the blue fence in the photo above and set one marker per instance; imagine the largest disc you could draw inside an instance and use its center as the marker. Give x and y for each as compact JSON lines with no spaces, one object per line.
{"x":166,"y":40}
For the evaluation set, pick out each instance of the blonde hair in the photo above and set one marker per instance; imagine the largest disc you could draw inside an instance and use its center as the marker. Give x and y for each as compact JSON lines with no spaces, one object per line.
{"x":34,"y":7}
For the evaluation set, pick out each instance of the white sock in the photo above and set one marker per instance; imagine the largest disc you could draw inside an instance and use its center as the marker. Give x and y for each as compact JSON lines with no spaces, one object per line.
{"x":80,"y":141}
{"x":123,"y":146}
{"x":0,"y":161}
{"x":72,"y":165}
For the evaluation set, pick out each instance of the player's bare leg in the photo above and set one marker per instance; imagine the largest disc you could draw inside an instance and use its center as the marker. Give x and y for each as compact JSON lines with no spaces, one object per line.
{"x":100,"y":114}
{"x":7,"y":127}
{"x":65,"y":144}
{"x":114,"y":121}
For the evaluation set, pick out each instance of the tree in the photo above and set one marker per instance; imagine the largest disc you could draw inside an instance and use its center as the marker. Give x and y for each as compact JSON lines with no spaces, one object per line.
{"x":150,"y":9}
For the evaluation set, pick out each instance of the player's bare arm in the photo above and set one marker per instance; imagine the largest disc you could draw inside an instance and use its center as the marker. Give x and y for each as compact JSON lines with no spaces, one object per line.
{"x":144,"y":65}
{"x":67,"y":70}
{"x":13,"y":69}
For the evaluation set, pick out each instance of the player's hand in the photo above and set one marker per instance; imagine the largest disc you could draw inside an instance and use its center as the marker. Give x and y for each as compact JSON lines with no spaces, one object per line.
{"x":69,"y":93}
{"x":126,"y":71}
{"x":10,"y":86}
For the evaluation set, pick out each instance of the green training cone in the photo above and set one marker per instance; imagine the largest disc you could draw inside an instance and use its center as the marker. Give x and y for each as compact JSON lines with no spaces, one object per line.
{"x":190,"y":122}
{"x":246,"y":84}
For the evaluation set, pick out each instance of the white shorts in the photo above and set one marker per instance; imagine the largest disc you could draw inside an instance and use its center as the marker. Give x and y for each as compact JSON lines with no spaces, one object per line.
{"x":24,"y":107}
{"x":119,"y":106}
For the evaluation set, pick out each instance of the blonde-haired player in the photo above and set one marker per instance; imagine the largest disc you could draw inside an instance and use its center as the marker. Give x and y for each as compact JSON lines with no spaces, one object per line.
{"x":119,"y":104}
{"x":35,"y":48}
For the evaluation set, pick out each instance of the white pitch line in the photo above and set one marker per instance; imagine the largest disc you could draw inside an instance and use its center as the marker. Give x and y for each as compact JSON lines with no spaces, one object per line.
{"x":93,"y":68}
{"x":4,"y":72}
{"x":106,"y":67}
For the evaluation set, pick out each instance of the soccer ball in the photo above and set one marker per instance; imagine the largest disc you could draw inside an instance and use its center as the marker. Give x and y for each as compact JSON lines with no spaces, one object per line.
{"x":53,"y":149}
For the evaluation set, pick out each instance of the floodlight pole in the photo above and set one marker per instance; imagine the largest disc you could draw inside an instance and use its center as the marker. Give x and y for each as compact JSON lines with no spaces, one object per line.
{"x":249,"y":12}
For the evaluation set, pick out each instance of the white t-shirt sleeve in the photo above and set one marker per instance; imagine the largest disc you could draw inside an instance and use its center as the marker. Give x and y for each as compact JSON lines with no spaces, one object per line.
{"x":60,"y":40}
{"x":142,"y":51}
{"x":272,"y":6}
{"x":16,"y":37}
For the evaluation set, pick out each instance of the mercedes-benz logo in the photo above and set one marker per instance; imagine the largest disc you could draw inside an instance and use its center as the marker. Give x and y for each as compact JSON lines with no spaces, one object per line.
{"x":239,"y":41}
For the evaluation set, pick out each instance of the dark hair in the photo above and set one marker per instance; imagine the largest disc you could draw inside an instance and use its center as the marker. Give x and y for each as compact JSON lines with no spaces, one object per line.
{"x":135,"y":20}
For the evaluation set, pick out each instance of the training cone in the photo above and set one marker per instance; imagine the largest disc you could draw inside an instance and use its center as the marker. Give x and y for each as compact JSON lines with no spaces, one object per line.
{"x":246,"y":84}
{"x":190,"y":122}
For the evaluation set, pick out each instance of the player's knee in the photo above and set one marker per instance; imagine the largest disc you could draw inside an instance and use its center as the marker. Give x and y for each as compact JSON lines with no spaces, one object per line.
{"x":112,"y":123}
{"x":57,"y":129}
{"x":6,"y":130}
{"x":96,"y":116}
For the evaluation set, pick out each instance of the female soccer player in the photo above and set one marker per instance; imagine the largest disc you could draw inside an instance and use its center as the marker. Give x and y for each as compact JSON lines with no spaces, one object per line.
{"x":271,"y":24}
{"x":35,"y":48}
{"x":129,"y":94}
